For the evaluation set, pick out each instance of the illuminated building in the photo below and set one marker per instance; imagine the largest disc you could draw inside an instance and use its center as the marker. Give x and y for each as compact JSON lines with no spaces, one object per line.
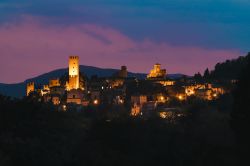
{"x":54,"y":82}
{"x":55,"y":100}
{"x":157,"y":72}
{"x":95,"y":96}
{"x":57,"y":90}
{"x":166,"y":82}
{"x":204,"y":91}
{"x":117,"y":82}
{"x":137,"y":102}
{"x":190,"y":90}
{"x":135,"y":110}
{"x":75,"y":96}
{"x":74,"y":73}
{"x":30,"y":88}
{"x":118,"y":100}
{"x":161,"y":98}
{"x":166,"y":114}
{"x":46,"y":87}
{"x":139,"y":99}
{"x":206,"y":94}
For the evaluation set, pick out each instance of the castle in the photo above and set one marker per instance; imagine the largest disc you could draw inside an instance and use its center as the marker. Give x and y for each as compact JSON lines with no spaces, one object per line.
{"x":157,"y":72}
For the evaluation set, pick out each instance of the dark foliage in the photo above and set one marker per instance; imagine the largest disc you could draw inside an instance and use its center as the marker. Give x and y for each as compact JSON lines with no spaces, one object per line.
{"x":241,"y":107}
{"x":32,"y":134}
{"x":198,"y":77}
{"x":230,"y":69}
{"x":206,"y":74}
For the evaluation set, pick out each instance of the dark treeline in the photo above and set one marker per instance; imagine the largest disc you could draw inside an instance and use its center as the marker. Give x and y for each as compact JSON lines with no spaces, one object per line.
{"x":32,"y":134}
{"x":240,"y":121}
{"x":228,"y":70}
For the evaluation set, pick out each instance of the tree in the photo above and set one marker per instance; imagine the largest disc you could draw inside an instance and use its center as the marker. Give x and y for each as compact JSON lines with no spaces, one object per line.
{"x":198,"y":76}
{"x":230,"y":69}
{"x":206,"y":74}
{"x":241,"y":107}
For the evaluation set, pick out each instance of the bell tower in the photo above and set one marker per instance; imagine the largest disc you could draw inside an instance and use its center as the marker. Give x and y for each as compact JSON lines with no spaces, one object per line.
{"x":73,"y":72}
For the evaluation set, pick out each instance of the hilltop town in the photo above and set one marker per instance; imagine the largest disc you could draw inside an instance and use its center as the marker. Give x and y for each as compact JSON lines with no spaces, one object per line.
{"x":75,"y":91}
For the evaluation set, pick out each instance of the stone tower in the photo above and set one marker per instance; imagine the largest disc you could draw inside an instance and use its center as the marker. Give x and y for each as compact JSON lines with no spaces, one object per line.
{"x":30,"y":88}
{"x":73,"y":72}
{"x":123,"y":73}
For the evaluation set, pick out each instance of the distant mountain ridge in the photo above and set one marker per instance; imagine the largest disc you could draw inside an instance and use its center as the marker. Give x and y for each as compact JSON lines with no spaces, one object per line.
{"x":18,"y":89}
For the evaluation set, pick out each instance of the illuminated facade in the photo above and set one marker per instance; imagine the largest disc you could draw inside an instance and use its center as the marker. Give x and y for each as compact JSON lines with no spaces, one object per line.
{"x":74,"y":73}
{"x":135,"y":110}
{"x":46,"y":87}
{"x":30,"y":88}
{"x":166,"y":82}
{"x":54,"y":83}
{"x":140,"y":99}
{"x":45,"y":90}
{"x":55,"y":100}
{"x":204,"y":91}
{"x":116,"y":83}
{"x":157,"y":72}
{"x":137,"y":102}
{"x":75,"y":96}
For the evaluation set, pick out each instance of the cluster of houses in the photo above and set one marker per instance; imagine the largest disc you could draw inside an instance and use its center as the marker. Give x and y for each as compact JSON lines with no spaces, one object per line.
{"x":139,"y":95}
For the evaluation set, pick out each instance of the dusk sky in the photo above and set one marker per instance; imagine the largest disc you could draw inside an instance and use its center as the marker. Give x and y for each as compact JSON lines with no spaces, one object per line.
{"x":185,"y":36}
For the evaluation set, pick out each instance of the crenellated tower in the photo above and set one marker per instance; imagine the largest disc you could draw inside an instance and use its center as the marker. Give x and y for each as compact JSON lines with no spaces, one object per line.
{"x":30,"y":87}
{"x":74,"y":73}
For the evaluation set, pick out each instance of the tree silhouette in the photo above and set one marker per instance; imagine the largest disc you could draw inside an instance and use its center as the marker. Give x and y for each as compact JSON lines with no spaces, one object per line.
{"x":206,"y":74}
{"x":241,"y":108}
{"x":198,"y":76}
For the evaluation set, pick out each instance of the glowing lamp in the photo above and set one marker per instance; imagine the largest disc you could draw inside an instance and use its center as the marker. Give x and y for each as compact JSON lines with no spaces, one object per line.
{"x":95,"y":102}
{"x":180,"y":97}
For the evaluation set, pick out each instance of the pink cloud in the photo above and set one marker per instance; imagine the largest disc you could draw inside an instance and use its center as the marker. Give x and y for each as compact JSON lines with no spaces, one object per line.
{"x":30,"y":48}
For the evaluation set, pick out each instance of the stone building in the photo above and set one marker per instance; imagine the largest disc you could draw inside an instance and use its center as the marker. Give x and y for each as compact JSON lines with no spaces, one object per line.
{"x":157,"y":72}
{"x":123,"y":73}
{"x":30,"y":88}
{"x":54,"y":82}
{"x":75,"y":96}
{"x":74,"y":73}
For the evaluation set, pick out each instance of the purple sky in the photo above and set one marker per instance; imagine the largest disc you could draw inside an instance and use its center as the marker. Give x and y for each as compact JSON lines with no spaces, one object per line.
{"x":37,"y":37}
